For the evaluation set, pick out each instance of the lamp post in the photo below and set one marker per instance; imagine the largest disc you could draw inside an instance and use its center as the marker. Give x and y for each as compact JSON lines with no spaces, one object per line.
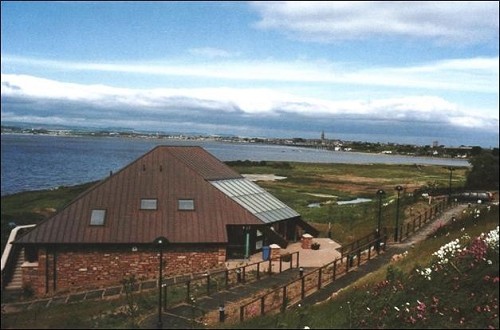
{"x":160,"y":242}
{"x":380,"y":193}
{"x":396,"y":231}
{"x":451,"y":169}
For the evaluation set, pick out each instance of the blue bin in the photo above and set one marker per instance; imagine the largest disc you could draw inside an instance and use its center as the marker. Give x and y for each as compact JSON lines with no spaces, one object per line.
{"x":265,"y":252}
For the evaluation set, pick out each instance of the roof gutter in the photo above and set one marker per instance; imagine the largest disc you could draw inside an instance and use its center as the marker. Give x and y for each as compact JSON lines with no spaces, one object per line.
{"x":8,"y":246}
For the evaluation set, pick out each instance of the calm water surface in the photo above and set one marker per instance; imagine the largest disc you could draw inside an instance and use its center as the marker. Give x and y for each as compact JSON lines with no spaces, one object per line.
{"x":33,"y":162}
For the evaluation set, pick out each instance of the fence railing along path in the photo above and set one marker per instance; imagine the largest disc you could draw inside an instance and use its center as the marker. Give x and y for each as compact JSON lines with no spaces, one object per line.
{"x":352,"y":255}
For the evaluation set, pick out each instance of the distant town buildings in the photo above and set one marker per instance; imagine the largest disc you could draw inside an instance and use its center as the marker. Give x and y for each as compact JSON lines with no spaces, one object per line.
{"x":433,"y":150}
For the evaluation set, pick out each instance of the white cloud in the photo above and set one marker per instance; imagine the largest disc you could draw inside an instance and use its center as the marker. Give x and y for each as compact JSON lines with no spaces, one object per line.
{"x":470,"y":74}
{"x":54,"y":99}
{"x":465,"y":22}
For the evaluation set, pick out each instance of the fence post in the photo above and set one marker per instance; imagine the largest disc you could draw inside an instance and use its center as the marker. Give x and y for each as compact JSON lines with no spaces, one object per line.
{"x":319,"y":278}
{"x":284,"y":299}
{"x":222,"y":316}
{"x":208,"y":284}
{"x":270,"y":270}
{"x":258,"y":271}
{"x":188,"y":290}
{"x":165,"y":298}
{"x":335,"y":269}
{"x":242,"y":313}
{"x":302,"y":288}
{"x":226,"y":278}
{"x":359,"y":256}
{"x":262,"y":305}
{"x":238,"y":275}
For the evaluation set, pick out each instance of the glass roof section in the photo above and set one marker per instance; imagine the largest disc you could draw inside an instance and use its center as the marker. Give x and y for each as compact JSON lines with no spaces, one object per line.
{"x":255,"y":199}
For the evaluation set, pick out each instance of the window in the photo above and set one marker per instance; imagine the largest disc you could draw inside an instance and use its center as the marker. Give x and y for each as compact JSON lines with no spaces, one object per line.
{"x":186,"y":204}
{"x":97,"y":217}
{"x":149,"y":204}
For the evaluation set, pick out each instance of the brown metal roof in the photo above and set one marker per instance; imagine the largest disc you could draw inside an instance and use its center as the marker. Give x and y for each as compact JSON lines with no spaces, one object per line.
{"x":165,"y":173}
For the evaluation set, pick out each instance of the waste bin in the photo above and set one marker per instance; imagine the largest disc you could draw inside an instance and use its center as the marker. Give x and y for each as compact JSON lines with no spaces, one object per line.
{"x":265,"y":252}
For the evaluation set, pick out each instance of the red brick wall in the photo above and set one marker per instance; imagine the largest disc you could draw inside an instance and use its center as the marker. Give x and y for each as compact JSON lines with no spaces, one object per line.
{"x":81,"y":268}
{"x":31,"y":278}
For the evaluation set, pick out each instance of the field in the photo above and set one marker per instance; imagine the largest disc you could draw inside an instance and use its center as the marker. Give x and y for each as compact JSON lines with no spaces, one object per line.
{"x":327,"y":184}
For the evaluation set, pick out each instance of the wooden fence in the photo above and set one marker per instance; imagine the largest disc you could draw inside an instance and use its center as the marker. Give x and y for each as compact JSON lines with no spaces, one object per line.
{"x":412,"y":225}
{"x":293,"y":292}
{"x":201,"y":284}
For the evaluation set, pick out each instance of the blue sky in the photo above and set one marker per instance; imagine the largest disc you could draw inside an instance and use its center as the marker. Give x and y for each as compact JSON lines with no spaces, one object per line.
{"x":401,"y":72}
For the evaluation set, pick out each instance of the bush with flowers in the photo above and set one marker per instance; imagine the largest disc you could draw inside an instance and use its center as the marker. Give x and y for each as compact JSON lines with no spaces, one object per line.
{"x":458,"y":289}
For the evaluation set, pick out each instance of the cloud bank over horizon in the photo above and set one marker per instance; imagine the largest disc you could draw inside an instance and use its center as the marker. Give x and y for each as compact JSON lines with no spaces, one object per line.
{"x":38,"y":100}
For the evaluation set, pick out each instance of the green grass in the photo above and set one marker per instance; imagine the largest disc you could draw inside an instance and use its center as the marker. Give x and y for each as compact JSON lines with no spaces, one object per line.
{"x":346,"y":182}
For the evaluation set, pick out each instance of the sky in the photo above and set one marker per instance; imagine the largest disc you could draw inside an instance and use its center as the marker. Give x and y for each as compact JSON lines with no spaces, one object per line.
{"x":397,"y":72}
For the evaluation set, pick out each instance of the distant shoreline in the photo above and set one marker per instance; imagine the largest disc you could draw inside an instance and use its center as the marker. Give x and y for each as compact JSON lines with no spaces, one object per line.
{"x":441,"y":152}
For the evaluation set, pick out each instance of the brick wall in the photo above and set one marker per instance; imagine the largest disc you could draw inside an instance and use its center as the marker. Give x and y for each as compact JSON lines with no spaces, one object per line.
{"x":30,"y":275}
{"x":82,"y":268}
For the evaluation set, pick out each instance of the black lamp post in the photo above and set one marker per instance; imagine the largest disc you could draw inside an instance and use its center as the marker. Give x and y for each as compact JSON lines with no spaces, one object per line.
{"x":451,"y":169}
{"x":380,"y":193}
{"x":396,"y":231}
{"x":160,"y":242}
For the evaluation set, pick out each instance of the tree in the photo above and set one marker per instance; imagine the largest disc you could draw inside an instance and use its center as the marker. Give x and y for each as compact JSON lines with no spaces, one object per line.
{"x":484,"y":172}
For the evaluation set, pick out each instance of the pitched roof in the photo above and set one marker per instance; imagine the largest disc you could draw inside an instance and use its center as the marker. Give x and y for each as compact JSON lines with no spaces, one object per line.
{"x":167,"y":174}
